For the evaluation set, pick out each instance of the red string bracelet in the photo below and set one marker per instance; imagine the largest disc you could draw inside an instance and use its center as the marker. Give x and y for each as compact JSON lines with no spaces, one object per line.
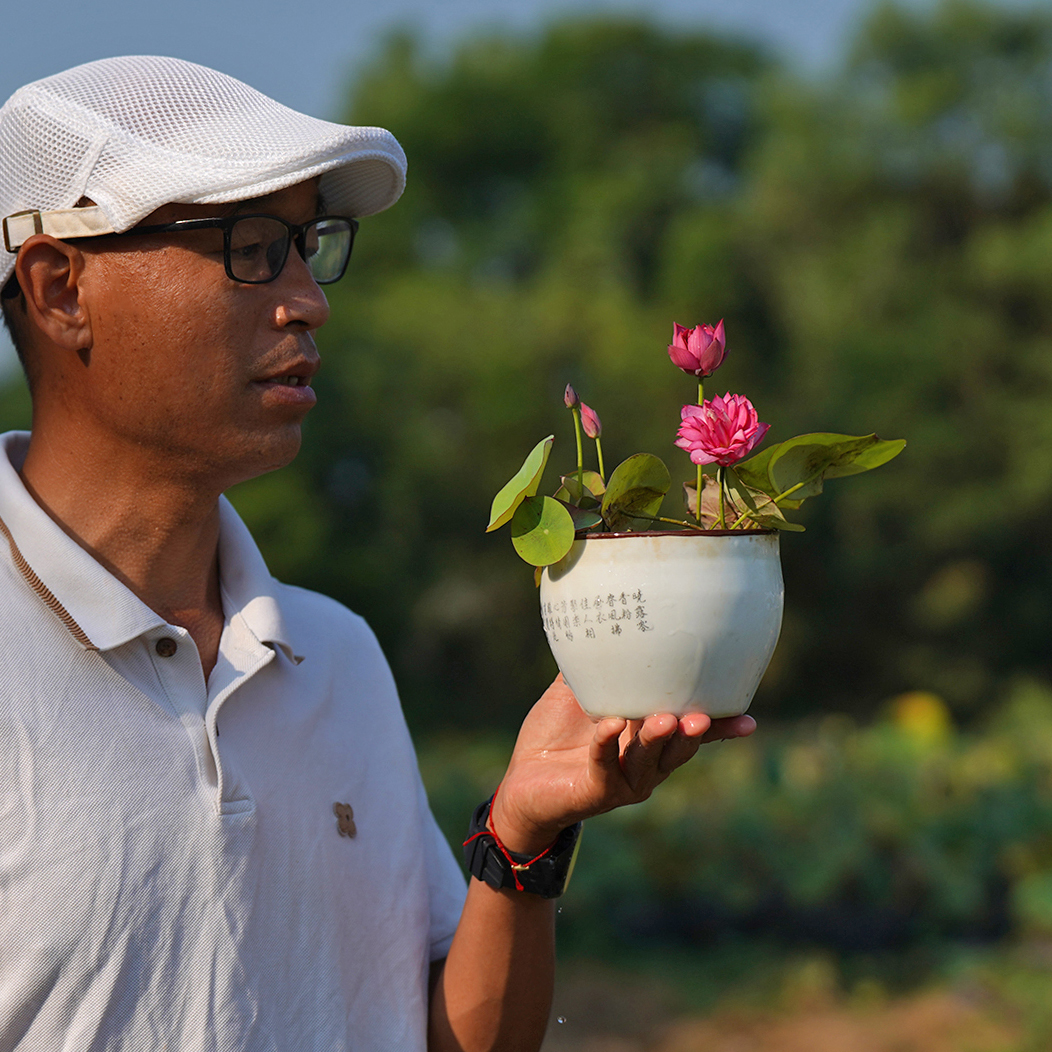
{"x":516,"y":867}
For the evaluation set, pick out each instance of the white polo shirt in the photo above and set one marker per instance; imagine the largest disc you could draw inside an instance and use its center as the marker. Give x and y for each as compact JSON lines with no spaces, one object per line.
{"x":172,"y":871}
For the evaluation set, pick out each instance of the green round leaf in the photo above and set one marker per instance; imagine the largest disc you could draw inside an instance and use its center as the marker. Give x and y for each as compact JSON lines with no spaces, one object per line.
{"x":541,"y":531}
{"x":583,"y":518}
{"x":801,"y":464}
{"x":524,"y":483}
{"x":593,"y":484}
{"x":636,"y":488}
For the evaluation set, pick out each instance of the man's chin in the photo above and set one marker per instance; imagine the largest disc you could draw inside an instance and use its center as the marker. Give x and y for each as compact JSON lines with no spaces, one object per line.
{"x":272,"y":453}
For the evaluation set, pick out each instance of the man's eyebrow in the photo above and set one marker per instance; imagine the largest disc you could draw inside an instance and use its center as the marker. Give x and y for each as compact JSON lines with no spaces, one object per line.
{"x":255,"y":204}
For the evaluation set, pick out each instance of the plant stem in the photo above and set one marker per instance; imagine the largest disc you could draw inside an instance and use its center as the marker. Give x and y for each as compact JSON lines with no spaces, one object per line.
{"x":674,"y":522}
{"x":701,"y":401}
{"x":580,"y":449}
{"x":770,"y":500}
{"x":720,"y":472}
{"x":599,"y":452}
{"x":741,"y":518}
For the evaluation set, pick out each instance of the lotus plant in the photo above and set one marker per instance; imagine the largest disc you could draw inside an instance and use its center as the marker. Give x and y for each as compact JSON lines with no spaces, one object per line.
{"x":699,"y":351}
{"x":739,"y":493}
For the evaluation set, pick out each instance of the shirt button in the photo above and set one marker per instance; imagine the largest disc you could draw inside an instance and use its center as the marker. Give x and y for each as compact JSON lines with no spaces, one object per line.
{"x":166,"y":646}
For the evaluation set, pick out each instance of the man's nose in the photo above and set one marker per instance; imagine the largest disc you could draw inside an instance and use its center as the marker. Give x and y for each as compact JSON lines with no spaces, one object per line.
{"x":301,"y":300}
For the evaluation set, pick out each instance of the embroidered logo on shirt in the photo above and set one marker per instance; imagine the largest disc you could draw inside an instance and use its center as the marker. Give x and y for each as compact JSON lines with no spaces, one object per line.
{"x":345,"y":819}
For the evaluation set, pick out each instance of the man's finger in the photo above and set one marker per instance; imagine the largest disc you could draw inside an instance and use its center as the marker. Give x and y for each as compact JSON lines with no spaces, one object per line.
{"x":628,"y":735}
{"x":605,"y":748}
{"x":678,"y":750}
{"x":729,"y":727}
{"x":694,"y":724}
{"x":641,"y":758}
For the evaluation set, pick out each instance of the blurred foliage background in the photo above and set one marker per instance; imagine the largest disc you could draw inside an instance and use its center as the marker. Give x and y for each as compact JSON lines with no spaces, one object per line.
{"x":824,"y":886}
{"x":880,"y":244}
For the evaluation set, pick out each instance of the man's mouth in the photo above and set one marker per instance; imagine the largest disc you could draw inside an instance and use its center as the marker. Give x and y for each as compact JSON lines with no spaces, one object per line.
{"x":291,"y":381}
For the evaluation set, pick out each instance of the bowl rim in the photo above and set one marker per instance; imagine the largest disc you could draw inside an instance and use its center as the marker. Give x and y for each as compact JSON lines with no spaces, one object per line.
{"x":584,"y":535}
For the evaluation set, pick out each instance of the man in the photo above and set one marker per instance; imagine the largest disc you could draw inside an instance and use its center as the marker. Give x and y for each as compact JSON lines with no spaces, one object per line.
{"x":212,"y":831}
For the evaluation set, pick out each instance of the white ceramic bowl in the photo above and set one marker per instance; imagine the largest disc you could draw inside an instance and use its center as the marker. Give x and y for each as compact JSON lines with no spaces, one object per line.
{"x":665,"y":622}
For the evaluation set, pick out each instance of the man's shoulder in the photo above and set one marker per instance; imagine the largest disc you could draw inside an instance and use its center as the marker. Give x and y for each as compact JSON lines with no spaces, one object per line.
{"x":337,"y":647}
{"x":319,"y":615}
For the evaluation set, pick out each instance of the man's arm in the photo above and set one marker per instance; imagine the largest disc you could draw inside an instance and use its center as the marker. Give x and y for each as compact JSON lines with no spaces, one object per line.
{"x":494,"y":990}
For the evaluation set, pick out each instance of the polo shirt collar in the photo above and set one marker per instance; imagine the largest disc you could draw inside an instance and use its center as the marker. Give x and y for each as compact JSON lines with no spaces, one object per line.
{"x":107,"y":611}
{"x":246,"y":584}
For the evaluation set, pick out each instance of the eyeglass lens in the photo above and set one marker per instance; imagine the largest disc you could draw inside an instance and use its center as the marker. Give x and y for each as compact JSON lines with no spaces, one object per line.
{"x":259,"y":247}
{"x":327,"y":248}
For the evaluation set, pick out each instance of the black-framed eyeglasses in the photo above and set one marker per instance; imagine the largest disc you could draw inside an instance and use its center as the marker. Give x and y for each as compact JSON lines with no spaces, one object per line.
{"x":256,"y":247}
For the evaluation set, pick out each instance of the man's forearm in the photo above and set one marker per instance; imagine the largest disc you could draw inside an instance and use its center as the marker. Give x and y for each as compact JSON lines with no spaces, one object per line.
{"x":494,"y":991}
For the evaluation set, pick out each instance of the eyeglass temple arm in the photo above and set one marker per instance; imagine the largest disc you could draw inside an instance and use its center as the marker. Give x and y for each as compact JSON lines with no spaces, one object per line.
{"x":61,"y":223}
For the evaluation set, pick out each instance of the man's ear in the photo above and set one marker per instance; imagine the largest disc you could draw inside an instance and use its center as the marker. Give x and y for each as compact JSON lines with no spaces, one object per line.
{"x":49,"y":273}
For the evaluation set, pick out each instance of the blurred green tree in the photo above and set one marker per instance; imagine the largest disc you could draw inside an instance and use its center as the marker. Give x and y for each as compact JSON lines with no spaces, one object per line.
{"x":879,"y":245}
{"x":899,"y":228}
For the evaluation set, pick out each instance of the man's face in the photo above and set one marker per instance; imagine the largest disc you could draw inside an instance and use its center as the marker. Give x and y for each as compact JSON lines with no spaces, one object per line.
{"x":191,"y":367}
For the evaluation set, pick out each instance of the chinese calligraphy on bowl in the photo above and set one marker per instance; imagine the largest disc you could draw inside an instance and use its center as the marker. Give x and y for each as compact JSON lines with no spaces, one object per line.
{"x":676,"y":623}
{"x":595,"y":614}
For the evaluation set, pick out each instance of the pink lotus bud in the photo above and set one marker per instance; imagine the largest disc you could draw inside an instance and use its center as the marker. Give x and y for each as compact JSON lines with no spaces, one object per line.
{"x":570,"y":397}
{"x":721,"y":430}
{"x":593,"y":426}
{"x":699,"y":351}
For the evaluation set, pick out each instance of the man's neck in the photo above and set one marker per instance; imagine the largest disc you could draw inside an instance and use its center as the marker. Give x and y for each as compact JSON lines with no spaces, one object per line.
{"x":156,"y":532}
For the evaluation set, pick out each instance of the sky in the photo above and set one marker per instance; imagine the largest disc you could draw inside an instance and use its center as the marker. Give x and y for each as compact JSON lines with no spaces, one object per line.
{"x":307,"y":57}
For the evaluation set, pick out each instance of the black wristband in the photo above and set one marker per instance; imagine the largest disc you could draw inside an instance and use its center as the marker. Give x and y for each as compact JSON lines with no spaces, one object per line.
{"x":546,"y":876}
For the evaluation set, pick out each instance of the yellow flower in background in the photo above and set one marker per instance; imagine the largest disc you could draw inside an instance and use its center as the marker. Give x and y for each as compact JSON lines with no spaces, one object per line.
{"x":922,"y":715}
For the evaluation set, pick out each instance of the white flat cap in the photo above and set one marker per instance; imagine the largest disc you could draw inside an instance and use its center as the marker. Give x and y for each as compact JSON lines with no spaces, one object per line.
{"x":141,"y":131}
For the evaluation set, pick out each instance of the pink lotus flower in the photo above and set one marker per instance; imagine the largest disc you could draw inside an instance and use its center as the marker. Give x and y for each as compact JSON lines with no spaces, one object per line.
{"x":570,"y":399}
{"x":699,"y":351}
{"x":593,"y":426}
{"x":720,"y":430}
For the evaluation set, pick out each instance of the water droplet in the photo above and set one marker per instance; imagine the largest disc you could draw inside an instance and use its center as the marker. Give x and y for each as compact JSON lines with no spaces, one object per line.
{"x":544,"y":753}
{"x":559,"y":910}
{"x":561,"y":1019}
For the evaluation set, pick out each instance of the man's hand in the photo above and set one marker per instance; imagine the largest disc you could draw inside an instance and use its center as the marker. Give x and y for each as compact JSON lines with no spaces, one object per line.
{"x":495,"y":989}
{"x":566,"y":767}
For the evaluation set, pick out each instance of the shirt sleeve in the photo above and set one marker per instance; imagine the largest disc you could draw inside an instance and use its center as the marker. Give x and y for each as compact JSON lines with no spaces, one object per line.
{"x":447,"y":887}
